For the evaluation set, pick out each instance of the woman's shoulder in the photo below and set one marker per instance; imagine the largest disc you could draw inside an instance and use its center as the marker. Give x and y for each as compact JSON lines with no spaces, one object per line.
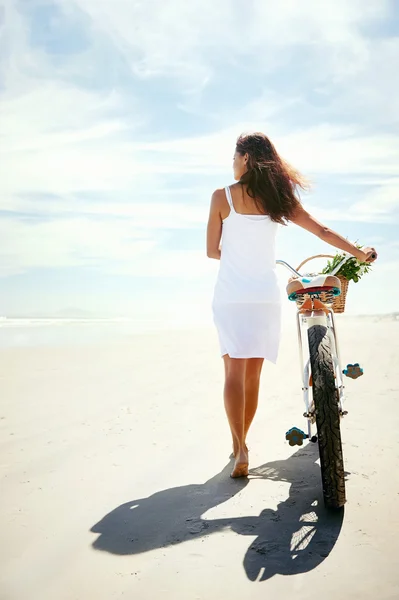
{"x":219,"y":195}
{"x":221,"y":192}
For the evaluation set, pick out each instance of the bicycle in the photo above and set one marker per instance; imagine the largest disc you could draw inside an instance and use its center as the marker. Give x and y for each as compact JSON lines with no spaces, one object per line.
{"x":321,"y":373}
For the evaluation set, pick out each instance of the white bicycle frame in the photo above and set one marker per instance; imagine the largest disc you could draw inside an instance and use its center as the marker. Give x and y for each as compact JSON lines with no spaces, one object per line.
{"x":305,"y":320}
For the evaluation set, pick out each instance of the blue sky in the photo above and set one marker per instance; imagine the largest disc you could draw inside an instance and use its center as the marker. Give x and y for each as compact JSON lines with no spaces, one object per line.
{"x":119,"y":119}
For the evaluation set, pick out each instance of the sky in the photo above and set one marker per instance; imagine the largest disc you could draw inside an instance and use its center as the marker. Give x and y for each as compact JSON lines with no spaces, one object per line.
{"x":118,"y":119}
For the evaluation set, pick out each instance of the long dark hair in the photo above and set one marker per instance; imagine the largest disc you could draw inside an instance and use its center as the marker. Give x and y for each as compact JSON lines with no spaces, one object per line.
{"x":269,"y":180}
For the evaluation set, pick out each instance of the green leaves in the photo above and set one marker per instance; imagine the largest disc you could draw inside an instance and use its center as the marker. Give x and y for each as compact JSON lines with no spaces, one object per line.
{"x":352,"y":270}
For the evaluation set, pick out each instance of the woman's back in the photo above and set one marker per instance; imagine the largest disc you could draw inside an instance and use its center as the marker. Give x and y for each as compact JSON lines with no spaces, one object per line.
{"x":247,"y":263}
{"x":242,"y":202}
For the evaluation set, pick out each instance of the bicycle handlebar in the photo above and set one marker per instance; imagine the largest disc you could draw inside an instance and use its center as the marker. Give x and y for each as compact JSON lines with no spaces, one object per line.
{"x":285,"y":264}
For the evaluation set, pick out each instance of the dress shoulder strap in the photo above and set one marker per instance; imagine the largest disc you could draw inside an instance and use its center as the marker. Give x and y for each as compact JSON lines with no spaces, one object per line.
{"x":229,"y":198}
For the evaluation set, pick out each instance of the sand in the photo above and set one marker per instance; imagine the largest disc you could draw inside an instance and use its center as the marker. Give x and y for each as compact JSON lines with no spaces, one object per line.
{"x":115,"y":463}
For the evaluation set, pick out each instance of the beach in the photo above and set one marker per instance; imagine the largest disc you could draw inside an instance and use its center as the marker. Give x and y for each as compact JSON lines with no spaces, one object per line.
{"x":115,"y":473}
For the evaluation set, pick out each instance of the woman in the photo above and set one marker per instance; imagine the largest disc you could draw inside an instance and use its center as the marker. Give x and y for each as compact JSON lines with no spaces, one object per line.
{"x":246,"y":303}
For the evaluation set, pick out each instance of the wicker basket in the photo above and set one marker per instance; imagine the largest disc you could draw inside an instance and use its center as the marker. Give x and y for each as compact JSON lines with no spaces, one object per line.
{"x":338,"y":303}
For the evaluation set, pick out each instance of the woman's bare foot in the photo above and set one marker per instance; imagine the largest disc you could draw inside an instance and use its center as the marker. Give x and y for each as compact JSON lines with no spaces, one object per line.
{"x":241,"y":464}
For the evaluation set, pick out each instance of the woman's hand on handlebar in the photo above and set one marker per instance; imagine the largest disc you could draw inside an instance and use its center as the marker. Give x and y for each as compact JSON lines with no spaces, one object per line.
{"x":366,"y":255}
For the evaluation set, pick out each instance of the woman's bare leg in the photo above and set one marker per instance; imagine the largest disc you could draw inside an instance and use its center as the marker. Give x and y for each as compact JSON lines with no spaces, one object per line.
{"x":252,"y":381}
{"x":227,"y":363}
{"x":234,"y":402}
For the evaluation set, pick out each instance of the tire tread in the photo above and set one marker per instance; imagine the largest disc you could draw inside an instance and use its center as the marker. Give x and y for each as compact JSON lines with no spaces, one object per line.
{"x":327,"y":417}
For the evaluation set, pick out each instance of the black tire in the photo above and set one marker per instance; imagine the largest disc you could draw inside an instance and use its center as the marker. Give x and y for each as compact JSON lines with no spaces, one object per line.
{"x":327,"y":417}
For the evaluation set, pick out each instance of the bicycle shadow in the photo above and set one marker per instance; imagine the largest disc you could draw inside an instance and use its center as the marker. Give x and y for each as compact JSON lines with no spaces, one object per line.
{"x":301,"y":533}
{"x":293,"y":539}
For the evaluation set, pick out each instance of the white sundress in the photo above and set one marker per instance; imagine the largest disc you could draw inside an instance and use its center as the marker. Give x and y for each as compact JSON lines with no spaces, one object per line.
{"x":246,"y":304}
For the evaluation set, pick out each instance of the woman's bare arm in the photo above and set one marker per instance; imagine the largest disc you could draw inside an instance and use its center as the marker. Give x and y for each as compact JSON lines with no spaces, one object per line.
{"x":306,"y":221}
{"x":214,"y":229}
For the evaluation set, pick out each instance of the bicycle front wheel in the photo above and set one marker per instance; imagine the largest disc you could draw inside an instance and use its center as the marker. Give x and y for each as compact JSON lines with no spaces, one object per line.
{"x":325,"y":400}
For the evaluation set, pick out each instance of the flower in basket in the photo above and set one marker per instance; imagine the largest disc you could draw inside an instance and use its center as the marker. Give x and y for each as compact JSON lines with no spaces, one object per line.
{"x":352,"y":270}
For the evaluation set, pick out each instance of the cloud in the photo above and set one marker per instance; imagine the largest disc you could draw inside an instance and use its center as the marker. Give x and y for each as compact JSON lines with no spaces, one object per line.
{"x":97,"y":158}
{"x":55,"y":115}
{"x":111,"y":246}
{"x":181,"y":39}
{"x":66,"y":243}
{"x":158,"y":38}
{"x":381,"y":201}
{"x":148,"y":216}
{"x":323,"y":148}
{"x":59,"y":137}
{"x":379,"y":205}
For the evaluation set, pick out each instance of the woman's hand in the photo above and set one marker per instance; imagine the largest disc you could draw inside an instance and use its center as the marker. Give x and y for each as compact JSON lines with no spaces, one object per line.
{"x":366,"y":254}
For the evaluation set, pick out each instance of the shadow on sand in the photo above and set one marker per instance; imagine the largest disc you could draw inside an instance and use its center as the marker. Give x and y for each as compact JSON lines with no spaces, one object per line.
{"x":293,"y":539}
